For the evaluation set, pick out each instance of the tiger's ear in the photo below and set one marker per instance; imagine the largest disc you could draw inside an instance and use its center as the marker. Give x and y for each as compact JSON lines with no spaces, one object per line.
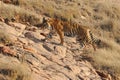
{"x":44,"y":19}
{"x":50,"y":19}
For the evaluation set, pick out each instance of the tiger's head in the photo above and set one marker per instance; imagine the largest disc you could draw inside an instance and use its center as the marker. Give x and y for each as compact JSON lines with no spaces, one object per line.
{"x":46,"y":23}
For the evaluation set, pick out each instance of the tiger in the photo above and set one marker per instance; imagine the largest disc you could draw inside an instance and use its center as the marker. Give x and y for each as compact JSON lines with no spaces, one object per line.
{"x":62,"y":28}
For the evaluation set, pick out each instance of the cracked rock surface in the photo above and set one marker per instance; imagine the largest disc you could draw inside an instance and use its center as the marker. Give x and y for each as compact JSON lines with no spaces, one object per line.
{"x":30,"y":57}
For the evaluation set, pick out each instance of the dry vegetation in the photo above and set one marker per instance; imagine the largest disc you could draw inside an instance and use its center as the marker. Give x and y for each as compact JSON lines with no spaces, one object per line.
{"x":21,"y":14}
{"x":5,"y":39}
{"x":14,"y":70}
{"x":102,"y":15}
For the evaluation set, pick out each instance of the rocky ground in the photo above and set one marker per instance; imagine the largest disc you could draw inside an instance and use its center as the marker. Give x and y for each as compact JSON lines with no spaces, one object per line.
{"x":28,"y":56}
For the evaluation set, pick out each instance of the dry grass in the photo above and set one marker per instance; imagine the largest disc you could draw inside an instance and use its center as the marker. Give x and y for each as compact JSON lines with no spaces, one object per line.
{"x":108,"y":59}
{"x":107,"y":56}
{"x":21,"y":14}
{"x":5,"y":39}
{"x":14,"y":70}
{"x":51,"y":8}
{"x":107,"y":15}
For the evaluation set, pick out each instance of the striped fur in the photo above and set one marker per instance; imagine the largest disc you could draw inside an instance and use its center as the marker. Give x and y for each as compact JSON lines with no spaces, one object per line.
{"x":83,"y":34}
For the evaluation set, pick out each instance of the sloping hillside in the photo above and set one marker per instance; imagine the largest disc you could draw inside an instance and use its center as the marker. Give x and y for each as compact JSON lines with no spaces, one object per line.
{"x":25,"y":56}
{"x":101,"y":16}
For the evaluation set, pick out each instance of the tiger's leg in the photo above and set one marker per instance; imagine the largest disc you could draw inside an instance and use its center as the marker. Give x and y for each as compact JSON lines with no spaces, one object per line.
{"x":61,"y":35}
{"x":83,"y":45}
{"x":92,"y":40}
{"x":94,"y":47}
{"x":86,"y":46}
{"x":47,"y":36}
{"x":81,"y":42}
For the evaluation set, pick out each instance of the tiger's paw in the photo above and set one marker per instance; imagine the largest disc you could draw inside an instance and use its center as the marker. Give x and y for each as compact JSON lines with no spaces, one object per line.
{"x":43,"y":40}
{"x":61,"y":44}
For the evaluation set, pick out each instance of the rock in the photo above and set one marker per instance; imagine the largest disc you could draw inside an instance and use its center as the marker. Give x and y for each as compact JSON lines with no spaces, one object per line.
{"x":36,"y":37}
{"x":13,"y":38}
{"x":56,"y":49}
{"x":30,"y":49}
{"x":7,"y":1}
{"x":44,"y":60}
{"x":85,"y":70}
{"x":83,"y":17}
{"x":9,"y":31}
{"x":2,"y":77}
{"x":75,"y":69}
{"x":40,"y":48}
{"x":60,"y":50}
{"x":48,"y":47}
{"x":8,"y":51}
{"x":69,"y":59}
{"x":59,"y":76}
{"x":32,"y":28}
{"x":19,"y":27}
{"x":23,"y":40}
{"x":32,"y":60}
{"x":1,"y":19}
{"x":38,"y":77}
{"x":104,"y":75}
{"x":29,"y":35}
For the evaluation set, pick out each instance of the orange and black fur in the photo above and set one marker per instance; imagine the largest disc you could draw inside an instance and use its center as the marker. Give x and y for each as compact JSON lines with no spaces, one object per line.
{"x":83,"y":34}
